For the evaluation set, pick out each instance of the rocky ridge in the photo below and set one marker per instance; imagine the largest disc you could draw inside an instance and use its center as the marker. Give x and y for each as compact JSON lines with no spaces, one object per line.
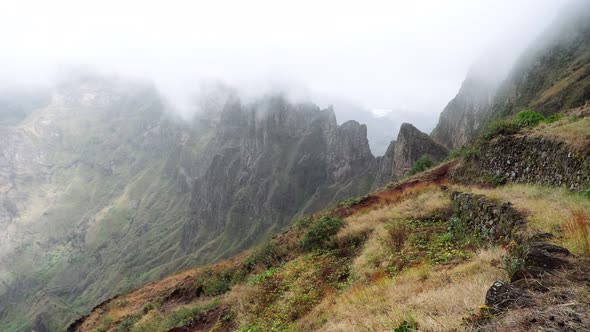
{"x":113,"y":171}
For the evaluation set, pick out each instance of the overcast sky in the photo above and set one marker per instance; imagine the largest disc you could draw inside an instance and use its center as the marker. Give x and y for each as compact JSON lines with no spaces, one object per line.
{"x":408,"y":56}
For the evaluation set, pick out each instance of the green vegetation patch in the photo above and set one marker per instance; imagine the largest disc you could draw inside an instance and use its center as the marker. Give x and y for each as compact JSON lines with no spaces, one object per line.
{"x":423,"y":163}
{"x":278,"y":297}
{"x":321,"y":232}
{"x":177,"y":318}
{"x":528,"y":118}
{"x":434,"y":239}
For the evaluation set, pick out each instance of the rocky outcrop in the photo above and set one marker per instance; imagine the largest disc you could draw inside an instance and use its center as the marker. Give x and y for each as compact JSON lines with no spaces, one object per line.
{"x":349,"y":152}
{"x":460,"y":120}
{"x":412,"y":144}
{"x":502,"y":296}
{"x":530,"y":159}
{"x":272,"y":161}
{"x":541,"y":258}
{"x":479,"y":216}
{"x":385,"y":167}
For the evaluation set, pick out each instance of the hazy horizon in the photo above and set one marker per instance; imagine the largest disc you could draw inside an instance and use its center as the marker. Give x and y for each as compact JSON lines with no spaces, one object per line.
{"x":400,"y":62}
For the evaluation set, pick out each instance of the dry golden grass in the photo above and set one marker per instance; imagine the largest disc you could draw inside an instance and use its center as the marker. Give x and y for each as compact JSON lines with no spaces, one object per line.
{"x":545,"y":208}
{"x":575,"y":133}
{"x":576,"y":231}
{"x":422,"y":203}
{"x":437,"y":299}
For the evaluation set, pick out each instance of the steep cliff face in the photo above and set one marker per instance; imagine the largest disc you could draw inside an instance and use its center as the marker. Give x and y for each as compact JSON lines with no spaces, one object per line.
{"x":385,"y":167}
{"x":461,"y":119}
{"x":554,"y":73}
{"x":101,"y":189}
{"x":551,"y":75}
{"x":412,"y":144}
{"x":102,"y":169}
{"x":87,"y":179}
{"x":272,"y":161}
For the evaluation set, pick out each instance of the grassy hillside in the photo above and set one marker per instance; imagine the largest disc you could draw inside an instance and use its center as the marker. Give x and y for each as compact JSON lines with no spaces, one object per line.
{"x":102,"y":181}
{"x":398,"y":259}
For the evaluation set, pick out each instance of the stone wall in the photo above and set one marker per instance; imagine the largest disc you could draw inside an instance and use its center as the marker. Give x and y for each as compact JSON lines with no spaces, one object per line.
{"x":484,"y":218}
{"x":535,"y":160}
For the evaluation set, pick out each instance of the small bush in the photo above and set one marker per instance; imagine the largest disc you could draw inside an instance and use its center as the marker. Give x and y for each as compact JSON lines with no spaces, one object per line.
{"x":184,"y":315}
{"x":456,"y":228}
{"x":498,"y":180}
{"x":423,"y":163}
{"x":128,"y":322}
{"x":320,"y":232}
{"x":524,"y":119}
{"x":268,"y":255}
{"x":465,"y":152}
{"x":554,"y":118}
{"x":398,"y":233}
{"x":514,"y":261}
{"x":303,"y":223}
{"x":147,"y":308}
{"x":215,"y":286}
{"x":407,"y":327}
{"x":527,"y":118}
{"x":350,"y":202}
{"x":500,"y":127}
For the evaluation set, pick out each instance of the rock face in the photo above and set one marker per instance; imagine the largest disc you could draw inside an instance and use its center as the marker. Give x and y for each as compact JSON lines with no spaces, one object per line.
{"x":272,"y":161}
{"x":554,"y":72}
{"x":491,"y":221}
{"x":412,"y":144}
{"x":102,"y":169}
{"x":535,"y":160}
{"x":541,"y":258}
{"x":461,"y":119}
{"x":385,"y":167}
{"x":551,"y":75}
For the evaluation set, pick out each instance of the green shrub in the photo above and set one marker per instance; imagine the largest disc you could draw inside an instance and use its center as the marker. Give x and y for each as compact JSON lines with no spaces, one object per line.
{"x":184,"y":315}
{"x":320,"y":232}
{"x":350,"y":202}
{"x":498,"y":180}
{"x":215,"y":286}
{"x":128,"y":322}
{"x":524,"y":119}
{"x":527,"y":118}
{"x":147,"y":308}
{"x":423,"y":163}
{"x":465,"y":152}
{"x":586,"y":193}
{"x":268,"y":255}
{"x":398,"y":232}
{"x":500,"y":127}
{"x":303,"y":223}
{"x":406,"y":327}
{"x":554,"y":118}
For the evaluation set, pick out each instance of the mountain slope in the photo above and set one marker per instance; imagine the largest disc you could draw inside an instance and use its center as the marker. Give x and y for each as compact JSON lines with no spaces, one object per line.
{"x":103,"y":189}
{"x":427,"y":252}
{"x":553,"y":74}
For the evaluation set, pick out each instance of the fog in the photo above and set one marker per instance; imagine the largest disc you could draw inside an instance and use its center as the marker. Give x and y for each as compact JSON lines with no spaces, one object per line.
{"x":402,"y":60}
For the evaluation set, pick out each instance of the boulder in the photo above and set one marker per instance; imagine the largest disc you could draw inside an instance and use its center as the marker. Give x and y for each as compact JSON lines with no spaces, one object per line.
{"x":502,"y":296}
